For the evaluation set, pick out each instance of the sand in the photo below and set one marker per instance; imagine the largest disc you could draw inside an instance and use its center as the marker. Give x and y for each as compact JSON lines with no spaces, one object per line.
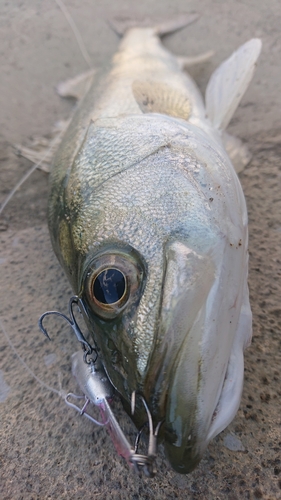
{"x":47,"y":451}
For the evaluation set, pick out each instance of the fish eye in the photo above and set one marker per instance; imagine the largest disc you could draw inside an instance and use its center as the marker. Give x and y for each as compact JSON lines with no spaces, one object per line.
{"x":112,"y":282}
{"x":109,"y":286}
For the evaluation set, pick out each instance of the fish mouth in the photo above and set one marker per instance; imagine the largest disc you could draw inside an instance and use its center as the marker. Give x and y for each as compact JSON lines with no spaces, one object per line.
{"x":187,"y":431}
{"x":195,"y":375}
{"x":174,"y":374}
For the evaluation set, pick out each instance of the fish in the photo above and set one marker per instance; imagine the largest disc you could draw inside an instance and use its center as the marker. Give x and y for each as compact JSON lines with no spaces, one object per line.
{"x":149,"y":222}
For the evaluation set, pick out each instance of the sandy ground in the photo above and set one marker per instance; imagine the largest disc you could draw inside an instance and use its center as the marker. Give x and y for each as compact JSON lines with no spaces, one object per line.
{"x":47,"y":450}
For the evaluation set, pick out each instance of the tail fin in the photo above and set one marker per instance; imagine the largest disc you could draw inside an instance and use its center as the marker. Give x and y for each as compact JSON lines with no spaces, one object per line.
{"x":121,"y":24}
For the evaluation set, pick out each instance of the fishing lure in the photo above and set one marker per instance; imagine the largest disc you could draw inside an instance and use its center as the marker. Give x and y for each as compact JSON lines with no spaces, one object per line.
{"x":97,"y":390}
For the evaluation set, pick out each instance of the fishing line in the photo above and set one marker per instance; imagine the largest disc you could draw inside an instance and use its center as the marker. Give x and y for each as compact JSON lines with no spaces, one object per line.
{"x":61,"y":393}
{"x":75,"y":31}
{"x":87,"y":59}
{"x":22,"y":180}
{"x":83,"y":50}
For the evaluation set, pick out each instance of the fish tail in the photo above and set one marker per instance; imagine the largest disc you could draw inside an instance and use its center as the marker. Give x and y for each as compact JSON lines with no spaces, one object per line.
{"x":121,"y":24}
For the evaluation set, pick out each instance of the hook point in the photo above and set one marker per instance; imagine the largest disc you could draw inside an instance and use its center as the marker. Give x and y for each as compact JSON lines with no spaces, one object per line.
{"x":40,"y":324}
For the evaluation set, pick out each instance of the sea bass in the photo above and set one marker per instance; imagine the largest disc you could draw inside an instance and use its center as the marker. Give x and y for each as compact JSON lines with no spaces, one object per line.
{"x":148,"y":219}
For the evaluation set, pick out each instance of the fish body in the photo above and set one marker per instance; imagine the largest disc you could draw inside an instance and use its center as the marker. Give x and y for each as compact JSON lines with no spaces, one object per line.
{"x":148,"y":219}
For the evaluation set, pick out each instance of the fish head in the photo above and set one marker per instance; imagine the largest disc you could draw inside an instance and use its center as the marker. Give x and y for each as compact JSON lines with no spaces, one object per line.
{"x":162,"y":286}
{"x":153,"y":339}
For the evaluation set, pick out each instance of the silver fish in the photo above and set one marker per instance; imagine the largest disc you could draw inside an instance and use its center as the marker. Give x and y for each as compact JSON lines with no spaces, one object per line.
{"x":148,"y":219}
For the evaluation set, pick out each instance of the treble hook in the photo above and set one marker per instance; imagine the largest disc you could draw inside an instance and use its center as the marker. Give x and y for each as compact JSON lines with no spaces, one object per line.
{"x":73,"y":323}
{"x":100,"y":389}
{"x":146,"y":461}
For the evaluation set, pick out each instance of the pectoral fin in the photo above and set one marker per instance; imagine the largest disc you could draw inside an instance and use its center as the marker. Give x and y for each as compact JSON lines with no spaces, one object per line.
{"x":78,"y":86}
{"x":186,"y":61}
{"x":121,"y":24}
{"x":229,"y":82}
{"x":41,"y":150}
{"x":237,"y":151}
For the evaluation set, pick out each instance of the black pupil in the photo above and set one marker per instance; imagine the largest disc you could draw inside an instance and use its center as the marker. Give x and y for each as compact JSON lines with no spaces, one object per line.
{"x":109,"y":286}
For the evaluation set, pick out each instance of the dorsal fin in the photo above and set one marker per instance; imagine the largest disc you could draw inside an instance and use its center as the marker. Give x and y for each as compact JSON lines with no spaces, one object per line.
{"x":157,"y":97}
{"x":229,"y":82}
